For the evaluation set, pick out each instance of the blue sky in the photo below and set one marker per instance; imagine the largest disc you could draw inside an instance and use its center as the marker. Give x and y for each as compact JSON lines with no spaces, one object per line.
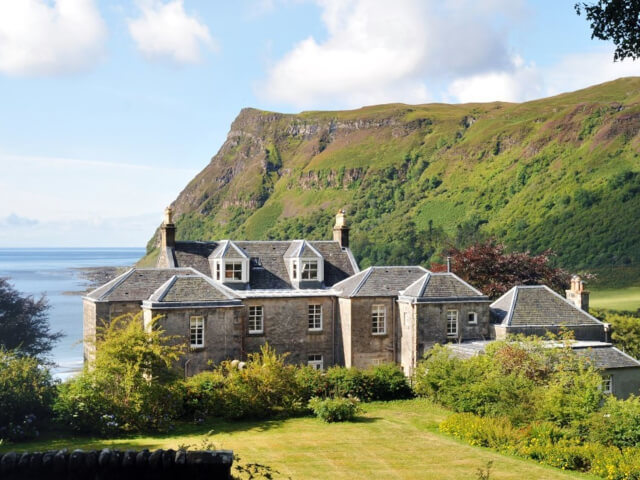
{"x":109,"y":108}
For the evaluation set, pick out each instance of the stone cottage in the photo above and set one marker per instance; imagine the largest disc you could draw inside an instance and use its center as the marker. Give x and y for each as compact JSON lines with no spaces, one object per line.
{"x":310,"y":299}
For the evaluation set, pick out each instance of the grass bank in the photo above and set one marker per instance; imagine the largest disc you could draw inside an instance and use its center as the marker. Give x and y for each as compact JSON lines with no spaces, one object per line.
{"x":627,"y":298}
{"x":397,"y":440}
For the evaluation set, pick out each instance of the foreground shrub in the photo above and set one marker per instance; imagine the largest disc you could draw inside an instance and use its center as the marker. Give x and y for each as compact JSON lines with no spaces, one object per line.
{"x":496,"y":433}
{"x":266,"y":386}
{"x":524,"y":380}
{"x":131,"y":385}
{"x":204,"y":395}
{"x":617,"y":423}
{"x":26,"y":395}
{"x":340,"y":409}
{"x":389,"y":383}
{"x":343,"y":381}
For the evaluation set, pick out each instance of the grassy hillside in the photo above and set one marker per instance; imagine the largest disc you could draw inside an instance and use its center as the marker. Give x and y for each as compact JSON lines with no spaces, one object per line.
{"x":560,"y":173}
{"x":397,"y":440}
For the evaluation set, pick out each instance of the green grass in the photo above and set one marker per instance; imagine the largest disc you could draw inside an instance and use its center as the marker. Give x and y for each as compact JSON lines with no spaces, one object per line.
{"x":397,"y":440}
{"x":627,"y":299}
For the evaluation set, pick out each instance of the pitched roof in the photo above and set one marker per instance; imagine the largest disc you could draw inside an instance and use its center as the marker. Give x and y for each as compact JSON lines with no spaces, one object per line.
{"x":194,"y":255}
{"x":136,"y":284}
{"x":228,"y":249}
{"x":538,"y":305}
{"x":301,"y":248}
{"x":267,"y":268}
{"x":435,"y":286}
{"x":602,"y":355}
{"x":607,"y":356}
{"x":191,"y":288}
{"x":379,"y":281}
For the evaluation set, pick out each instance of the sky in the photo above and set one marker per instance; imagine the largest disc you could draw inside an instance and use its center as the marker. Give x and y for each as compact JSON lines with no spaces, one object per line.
{"x":109,"y":108}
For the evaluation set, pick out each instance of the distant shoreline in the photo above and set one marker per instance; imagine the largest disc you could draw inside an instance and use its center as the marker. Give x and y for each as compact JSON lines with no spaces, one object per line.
{"x":96,"y":276}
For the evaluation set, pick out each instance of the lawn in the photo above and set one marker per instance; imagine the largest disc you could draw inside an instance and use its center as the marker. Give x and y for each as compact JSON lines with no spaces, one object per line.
{"x":398,"y":440}
{"x":627,"y":298}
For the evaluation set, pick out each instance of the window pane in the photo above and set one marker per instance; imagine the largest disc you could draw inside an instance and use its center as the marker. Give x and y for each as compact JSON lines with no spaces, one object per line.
{"x":256,"y":324}
{"x":196,"y":330}
{"x":378,"y":319}
{"x":315,"y":317}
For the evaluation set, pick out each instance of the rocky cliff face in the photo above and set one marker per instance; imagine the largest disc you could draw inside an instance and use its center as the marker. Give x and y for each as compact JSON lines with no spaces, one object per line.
{"x":557,"y":173}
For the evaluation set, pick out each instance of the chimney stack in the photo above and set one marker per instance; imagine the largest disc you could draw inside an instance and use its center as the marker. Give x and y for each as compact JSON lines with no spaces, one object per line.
{"x":448,"y":264}
{"x":577,"y":294}
{"x":341,"y":229}
{"x":168,"y":230}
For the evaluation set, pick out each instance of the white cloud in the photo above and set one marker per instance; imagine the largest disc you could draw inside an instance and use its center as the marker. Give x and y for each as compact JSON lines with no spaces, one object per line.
{"x":527,"y":81}
{"x":40,"y":37}
{"x":379,"y":51}
{"x":165,"y":31}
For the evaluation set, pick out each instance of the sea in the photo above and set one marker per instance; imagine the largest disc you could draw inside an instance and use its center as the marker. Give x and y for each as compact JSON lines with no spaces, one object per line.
{"x":57,"y":274}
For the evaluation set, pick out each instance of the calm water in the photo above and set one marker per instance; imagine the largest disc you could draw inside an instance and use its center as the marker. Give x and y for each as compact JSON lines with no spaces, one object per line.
{"x":52,"y":271}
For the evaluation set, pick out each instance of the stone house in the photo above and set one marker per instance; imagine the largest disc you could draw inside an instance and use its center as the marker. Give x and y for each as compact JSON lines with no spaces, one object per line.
{"x":310,"y":299}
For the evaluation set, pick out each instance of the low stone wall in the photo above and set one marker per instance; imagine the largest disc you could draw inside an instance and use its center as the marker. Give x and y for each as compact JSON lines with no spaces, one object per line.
{"x":116,"y":464}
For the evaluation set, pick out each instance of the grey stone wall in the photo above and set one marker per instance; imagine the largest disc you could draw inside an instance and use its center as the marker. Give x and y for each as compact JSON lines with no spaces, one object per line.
{"x":367,"y":348}
{"x":585,"y":332}
{"x":626,"y":381}
{"x":431,"y":325}
{"x":222,"y":334}
{"x":117,"y":465}
{"x":286,"y":328}
{"x":97,"y":314}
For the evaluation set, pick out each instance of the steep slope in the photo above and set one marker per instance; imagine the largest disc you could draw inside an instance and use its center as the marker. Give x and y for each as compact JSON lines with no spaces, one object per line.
{"x":560,"y":173}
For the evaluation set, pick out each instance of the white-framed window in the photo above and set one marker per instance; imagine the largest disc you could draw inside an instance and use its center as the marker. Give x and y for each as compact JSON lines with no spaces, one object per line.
{"x":309,"y":269}
{"x":452,"y":323}
{"x":256,"y":319}
{"x":378,"y":319}
{"x":294,"y":269}
{"x":607,"y":384}
{"x":315,"y":317}
{"x":196,"y":328}
{"x":233,"y":271}
{"x":217,"y":264}
{"x":473,"y":318}
{"x":315,"y":361}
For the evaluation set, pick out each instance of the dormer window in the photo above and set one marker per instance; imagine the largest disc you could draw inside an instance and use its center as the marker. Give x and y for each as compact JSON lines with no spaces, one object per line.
{"x":229,"y":263}
{"x":305,"y":264}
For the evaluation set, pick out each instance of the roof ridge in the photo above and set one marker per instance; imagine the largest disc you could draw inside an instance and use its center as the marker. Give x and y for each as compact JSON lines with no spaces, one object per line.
{"x":367,"y":273}
{"x":116,"y":283}
{"x":425,"y":283}
{"x":572,"y":305}
{"x":512,"y":307}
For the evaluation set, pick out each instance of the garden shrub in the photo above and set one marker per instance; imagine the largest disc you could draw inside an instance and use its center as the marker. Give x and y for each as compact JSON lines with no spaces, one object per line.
{"x":617,"y":423}
{"x":389,"y":382}
{"x":311,"y":383}
{"x":131,"y":385}
{"x":496,"y":433}
{"x":343,"y":381}
{"x":27,"y":392}
{"x":264,"y":387}
{"x":339,"y":409}
{"x":204,"y":395}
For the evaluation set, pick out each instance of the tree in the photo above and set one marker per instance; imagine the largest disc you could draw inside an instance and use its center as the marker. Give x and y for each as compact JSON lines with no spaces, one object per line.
{"x":489,"y":268}
{"x":24,"y":323}
{"x":131,"y":385}
{"x":616,"y":20}
{"x":626,"y":330}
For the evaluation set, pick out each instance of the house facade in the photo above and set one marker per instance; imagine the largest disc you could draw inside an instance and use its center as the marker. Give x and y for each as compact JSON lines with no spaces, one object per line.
{"x":227,"y":299}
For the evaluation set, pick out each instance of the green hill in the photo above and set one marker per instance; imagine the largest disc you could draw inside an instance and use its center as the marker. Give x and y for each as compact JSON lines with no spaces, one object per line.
{"x":561,"y":173}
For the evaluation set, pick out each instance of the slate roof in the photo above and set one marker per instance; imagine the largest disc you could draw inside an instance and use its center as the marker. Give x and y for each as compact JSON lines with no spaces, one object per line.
{"x":191,"y":288}
{"x":136,"y":284}
{"x":538,"y":305}
{"x":602,"y":355}
{"x":194,"y":255}
{"x":608,"y":356}
{"x":443,"y":285}
{"x":267,"y":268}
{"x":379,"y":281}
